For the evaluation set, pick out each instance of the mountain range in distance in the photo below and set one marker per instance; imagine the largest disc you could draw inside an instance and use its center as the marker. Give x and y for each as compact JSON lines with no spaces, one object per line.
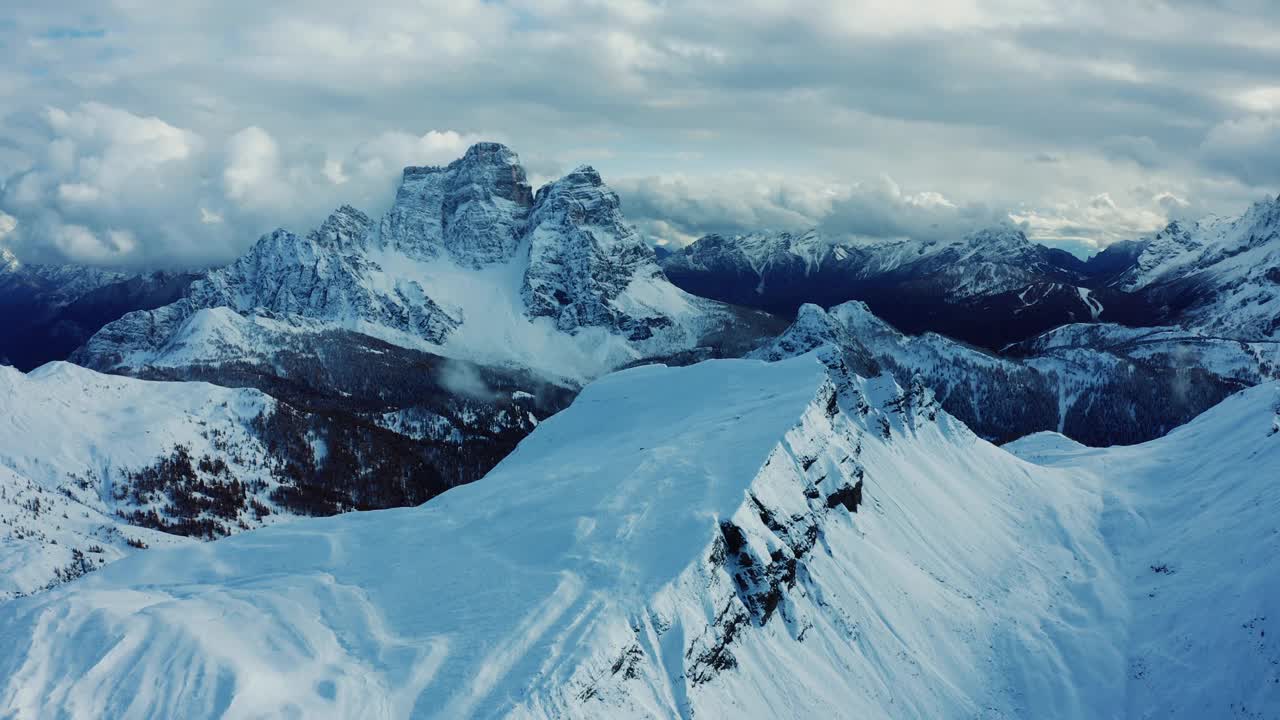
{"x":771,"y":475}
{"x":995,"y":287}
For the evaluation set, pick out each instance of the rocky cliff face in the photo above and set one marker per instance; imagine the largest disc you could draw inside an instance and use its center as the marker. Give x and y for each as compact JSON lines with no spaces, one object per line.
{"x":1220,"y":276}
{"x":1100,"y":384}
{"x":473,"y":210}
{"x":466,"y":244}
{"x":583,"y":256}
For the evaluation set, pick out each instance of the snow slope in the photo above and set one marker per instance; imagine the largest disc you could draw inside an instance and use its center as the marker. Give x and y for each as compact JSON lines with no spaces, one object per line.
{"x":1192,"y":521}
{"x":70,"y":440}
{"x":732,"y":539}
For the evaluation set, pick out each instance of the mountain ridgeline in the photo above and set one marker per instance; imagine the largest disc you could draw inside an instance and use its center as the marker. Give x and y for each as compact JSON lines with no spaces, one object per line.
{"x":408,"y":354}
{"x":411,"y":353}
{"x":994,"y":287}
{"x":51,"y":310}
{"x":1100,"y":384}
{"x":878,"y":507}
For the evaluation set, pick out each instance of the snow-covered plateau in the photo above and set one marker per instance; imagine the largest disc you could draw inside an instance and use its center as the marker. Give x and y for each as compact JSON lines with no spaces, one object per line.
{"x":736,"y":538}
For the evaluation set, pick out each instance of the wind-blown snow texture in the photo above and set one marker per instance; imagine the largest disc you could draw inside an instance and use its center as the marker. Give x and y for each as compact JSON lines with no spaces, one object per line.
{"x":732,"y":539}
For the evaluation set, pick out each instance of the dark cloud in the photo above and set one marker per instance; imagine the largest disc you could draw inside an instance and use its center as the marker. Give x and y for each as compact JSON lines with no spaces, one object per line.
{"x":1247,"y":148}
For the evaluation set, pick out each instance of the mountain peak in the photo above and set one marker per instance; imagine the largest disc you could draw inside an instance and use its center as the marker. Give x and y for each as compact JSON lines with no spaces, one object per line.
{"x":583,"y":175}
{"x":474,"y":208}
{"x":481,"y":153}
{"x":584,"y":196}
{"x":8,"y":261}
{"x":490,"y":152}
{"x":998,"y":235}
{"x":345,"y":228}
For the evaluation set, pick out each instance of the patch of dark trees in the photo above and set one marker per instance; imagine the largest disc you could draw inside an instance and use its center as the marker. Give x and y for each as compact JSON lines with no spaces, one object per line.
{"x":326,"y":449}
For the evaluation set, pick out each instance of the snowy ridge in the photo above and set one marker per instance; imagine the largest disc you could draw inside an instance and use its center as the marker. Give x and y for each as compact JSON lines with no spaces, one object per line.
{"x":1220,"y":276}
{"x":990,"y":287}
{"x":787,"y":566}
{"x":851,"y":551}
{"x":1100,"y":383}
{"x":50,"y":310}
{"x":1247,"y":362}
{"x":73,"y":447}
{"x":983,"y":262}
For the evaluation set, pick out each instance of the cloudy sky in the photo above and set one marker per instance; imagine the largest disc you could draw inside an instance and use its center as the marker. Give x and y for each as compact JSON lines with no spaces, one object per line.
{"x":145,"y":133}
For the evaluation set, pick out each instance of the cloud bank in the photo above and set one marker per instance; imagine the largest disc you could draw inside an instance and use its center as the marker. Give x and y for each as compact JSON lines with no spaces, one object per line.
{"x":175,"y":133}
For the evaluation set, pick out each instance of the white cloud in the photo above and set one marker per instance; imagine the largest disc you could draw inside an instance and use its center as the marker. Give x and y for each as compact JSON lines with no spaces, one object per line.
{"x":947,"y":97}
{"x":333,"y":171}
{"x":253,"y":172}
{"x":78,"y":192}
{"x":1090,"y":224}
{"x":394,"y":150}
{"x":83,"y":243}
{"x":114,"y":187}
{"x":678,"y":210}
{"x":110,"y":147}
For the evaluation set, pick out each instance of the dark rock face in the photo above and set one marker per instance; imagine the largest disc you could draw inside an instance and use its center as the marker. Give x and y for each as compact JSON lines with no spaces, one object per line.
{"x":1098,"y":384}
{"x":50,"y":311}
{"x":990,"y":288}
{"x":583,"y":255}
{"x":474,"y":209}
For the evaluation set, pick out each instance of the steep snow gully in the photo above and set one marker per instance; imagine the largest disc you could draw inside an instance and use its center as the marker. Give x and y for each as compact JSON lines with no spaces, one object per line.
{"x":734,"y":539}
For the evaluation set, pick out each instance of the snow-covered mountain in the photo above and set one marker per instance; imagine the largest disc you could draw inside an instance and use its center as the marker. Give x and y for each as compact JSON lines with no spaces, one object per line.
{"x":1246,"y":362}
{"x":466,"y":264}
{"x":95,"y":466}
{"x":731,"y":539}
{"x":1217,"y":276}
{"x":415,"y":351}
{"x":50,"y":310}
{"x":1099,"y":383}
{"x":990,"y":287}
{"x":1220,"y":276}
